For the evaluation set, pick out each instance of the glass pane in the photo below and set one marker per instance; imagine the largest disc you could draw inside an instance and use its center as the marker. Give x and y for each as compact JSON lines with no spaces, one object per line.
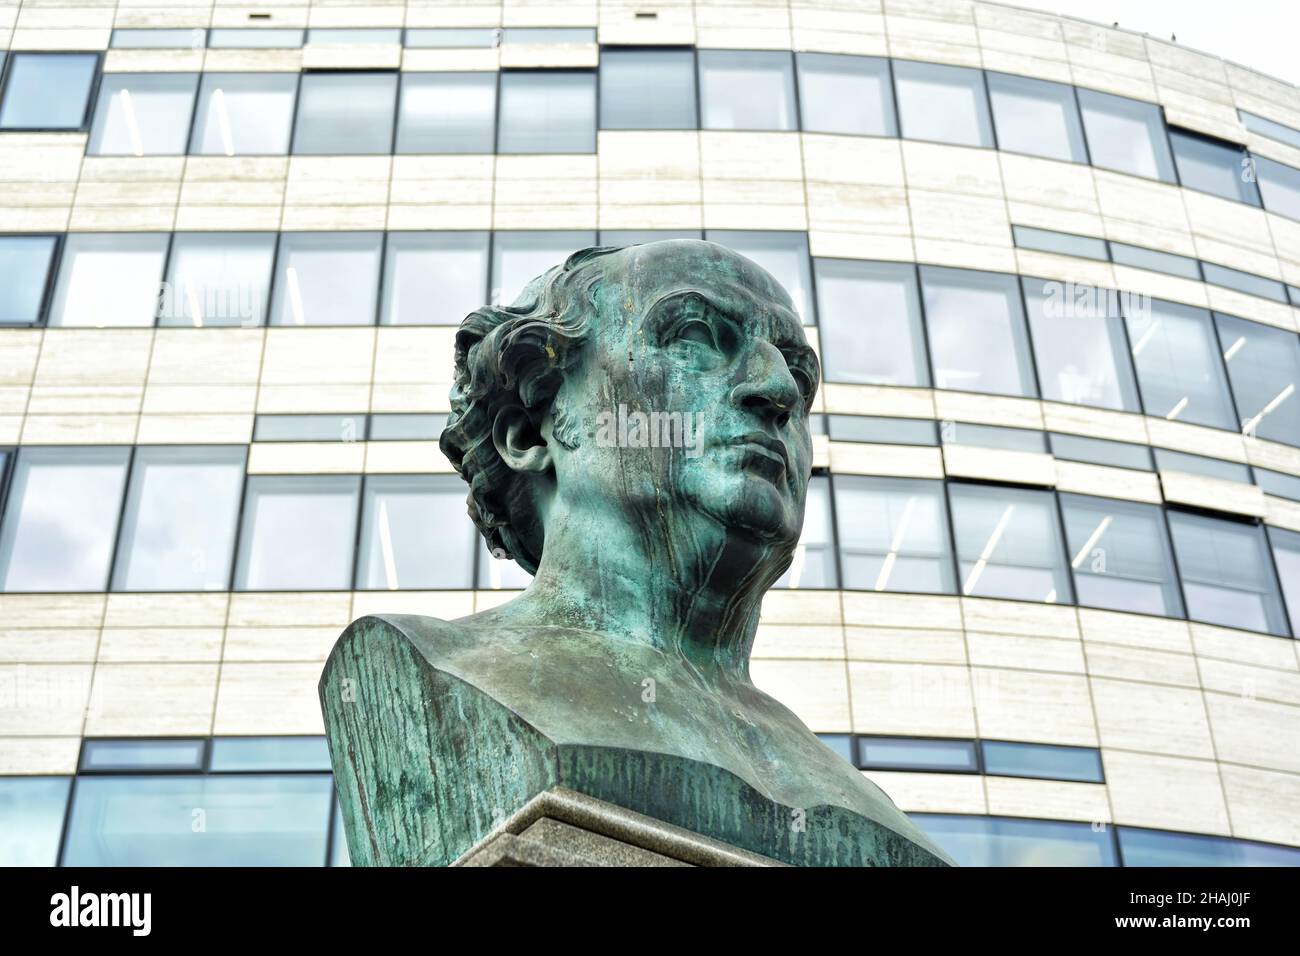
{"x":1279,"y":185}
{"x":1119,"y":552}
{"x":1244,"y":282}
{"x":845,"y":94}
{"x":647,"y":89}
{"x":407,"y":427}
{"x":1036,"y":117}
{"x":1043,"y":761}
{"x":1214,"y":166}
{"x":245,"y":114}
{"x":447,"y":113}
{"x":1286,"y":555}
{"x":1079,"y":344}
{"x":893,"y":534}
{"x":239,"y":754}
{"x":1179,"y":368}
{"x":31,"y":819}
{"x":976,"y":329}
{"x":345,"y":113}
{"x":1165,"y":262}
{"x":886,"y":431}
{"x":218,"y":279}
{"x":519,"y":257}
{"x":1166,"y":848}
{"x":446,"y":39}
{"x":416,"y":534}
{"x":195,"y":39}
{"x":178,"y":531}
{"x":1045,"y":240}
{"x":636,"y":237}
{"x":164,"y":754}
{"x":870,"y":317}
{"x":143,"y":114}
{"x":1008,"y":544}
{"x":183,"y":820}
{"x":547,"y":111}
{"x":783,"y":254}
{"x":914,"y":753}
{"x":316,"y":428}
{"x":993,"y":436}
{"x":548,"y":35}
{"x":1264,"y":367}
{"x":813,"y":565}
{"x":1126,"y":135}
{"x":1167,"y":460}
{"x":327,"y":278}
{"x":1007,"y":841}
{"x":254,"y":39}
{"x":109,"y":279}
{"x":944,"y":104}
{"x":1227,"y":574}
{"x":434,"y":278}
{"x":298,"y":533}
{"x":47,"y":90}
{"x":1099,"y":451}
{"x":1270,"y":128}
{"x":330,"y":35}
{"x":24,"y":271}
{"x":1277,"y":483}
{"x":747,"y":90}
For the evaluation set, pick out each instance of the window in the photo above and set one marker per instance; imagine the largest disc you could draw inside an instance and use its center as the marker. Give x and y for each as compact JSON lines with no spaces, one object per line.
{"x":519,"y":257}
{"x":415,"y":533}
{"x":180,"y":39}
{"x":783,"y":254}
{"x":498,"y":574}
{"x":100,"y":756}
{"x":61,"y":518}
{"x":1167,"y":460}
{"x":915,"y":753}
{"x":1286,"y":553}
{"x":1045,"y":240}
{"x":884,"y":431}
{"x":298,"y":533}
{"x":1179,"y":369}
{"x":993,"y":436}
{"x":1166,"y":262}
{"x":330,"y":35}
{"x":327,"y":278}
{"x":547,"y":111}
{"x":447,"y":113}
{"x":845,"y":94}
{"x":1264,"y":366}
{"x":1267,"y":127}
{"x":548,"y":35}
{"x":1126,"y":135}
{"x":143,"y":114}
{"x":31,"y":819}
{"x":1165,"y":848}
{"x":434,"y":278}
{"x":1079,"y":345}
{"x":251,"y":39}
{"x":24,"y":275}
{"x":1100,"y":451}
{"x":1226,"y":571}
{"x":945,"y":104}
{"x":1008,"y":544}
{"x":813,"y":565}
{"x":1010,"y":841}
{"x":178,"y":530}
{"x":1214,"y":166}
{"x":977,"y":331}
{"x":1119,"y":552}
{"x":244,"y":754}
{"x":893,"y":535}
{"x":218,"y":279}
{"x":747,"y":90}
{"x":1036,"y":117}
{"x":108,"y":279}
{"x":407,"y":427}
{"x":345,"y":113}
{"x":871,"y":322}
{"x":1277,"y":483}
{"x":447,"y":39}
{"x":244,"y":114}
{"x":636,"y":237}
{"x":313,"y":428}
{"x":1279,"y":186}
{"x":647,"y":89}
{"x":1244,"y":282}
{"x":47,"y":90}
{"x":841,"y":744}
{"x":1041,"y":761}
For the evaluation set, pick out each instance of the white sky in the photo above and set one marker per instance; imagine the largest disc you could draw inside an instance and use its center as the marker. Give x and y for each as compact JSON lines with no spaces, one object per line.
{"x":1261,"y":34}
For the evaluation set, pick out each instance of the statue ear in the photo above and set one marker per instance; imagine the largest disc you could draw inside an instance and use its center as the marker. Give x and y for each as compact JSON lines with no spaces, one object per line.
{"x":519,"y":442}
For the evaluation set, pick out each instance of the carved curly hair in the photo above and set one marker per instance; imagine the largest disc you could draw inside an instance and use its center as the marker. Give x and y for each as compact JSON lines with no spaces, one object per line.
{"x":516,"y":355}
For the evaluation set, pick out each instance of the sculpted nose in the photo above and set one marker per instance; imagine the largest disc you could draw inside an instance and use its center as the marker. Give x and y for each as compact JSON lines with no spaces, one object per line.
{"x":767,"y":388}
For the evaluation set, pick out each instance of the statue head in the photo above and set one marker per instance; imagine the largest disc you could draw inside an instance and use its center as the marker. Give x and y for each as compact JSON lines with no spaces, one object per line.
{"x":663,"y":388}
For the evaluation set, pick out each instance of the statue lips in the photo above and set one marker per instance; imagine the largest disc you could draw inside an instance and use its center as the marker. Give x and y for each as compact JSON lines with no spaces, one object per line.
{"x":767,"y":454}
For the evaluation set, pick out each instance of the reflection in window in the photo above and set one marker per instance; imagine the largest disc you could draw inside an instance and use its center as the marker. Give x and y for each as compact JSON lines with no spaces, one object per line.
{"x":108,"y":279}
{"x":845,"y":94}
{"x":916,"y":753}
{"x":218,"y":279}
{"x":61,"y":518}
{"x":244,"y":114}
{"x":1036,"y":117}
{"x":893,"y":534}
{"x":1126,"y":135}
{"x":1166,"y":848}
{"x":1226,"y":571}
{"x":977,"y":331}
{"x":647,"y":89}
{"x":1213,"y":166}
{"x":1008,"y":841}
{"x":747,"y":90}
{"x":1041,"y":761}
{"x":31,"y":819}
{"x":783,"y":254}
{"x":1263,"y":365}
{"x":24,"y":269}
{"x":519,"y":257}
{"x":447,"y":113}
{"x":871,"y":322}
{"x":1279,"y":185}
{"x":1008,"y":544}
{"x":143,"y":114}
{"x":1079,"y":345}
{"x":1119,"y":552}
{"x":327,"y":278}
{"x":345,"y":113}
{"x":434,"y":278}
{"x":1286,"y":554}
{"x":47,"y":90}
{"x":944,"y":104}
{"x":298,"y":533}
{"x":547,"y":111}
{"x":178,"y":529}
{"x":813,"y":565}
{"x":415,"y":533}
{"x":1179,"y":368}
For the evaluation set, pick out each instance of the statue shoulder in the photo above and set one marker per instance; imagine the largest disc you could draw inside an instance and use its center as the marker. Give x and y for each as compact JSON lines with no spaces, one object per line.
{"x":398,"y":642}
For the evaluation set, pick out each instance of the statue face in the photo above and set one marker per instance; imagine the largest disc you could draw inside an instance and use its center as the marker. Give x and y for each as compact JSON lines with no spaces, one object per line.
{"x":690,"y":401}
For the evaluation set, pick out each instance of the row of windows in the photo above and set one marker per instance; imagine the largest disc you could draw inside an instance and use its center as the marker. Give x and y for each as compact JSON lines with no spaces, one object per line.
{"x":168,"y":518}
{"x":559,"y":111}
{"x":1002,"y":758}
{"x":276,"y":38}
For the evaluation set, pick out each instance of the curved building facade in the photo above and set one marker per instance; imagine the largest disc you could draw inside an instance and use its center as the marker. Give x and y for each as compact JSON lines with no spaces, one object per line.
{"x":1048,"y":592}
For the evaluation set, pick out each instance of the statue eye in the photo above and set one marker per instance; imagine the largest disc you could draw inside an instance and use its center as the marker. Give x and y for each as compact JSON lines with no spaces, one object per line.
{"x":698,"y":331}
